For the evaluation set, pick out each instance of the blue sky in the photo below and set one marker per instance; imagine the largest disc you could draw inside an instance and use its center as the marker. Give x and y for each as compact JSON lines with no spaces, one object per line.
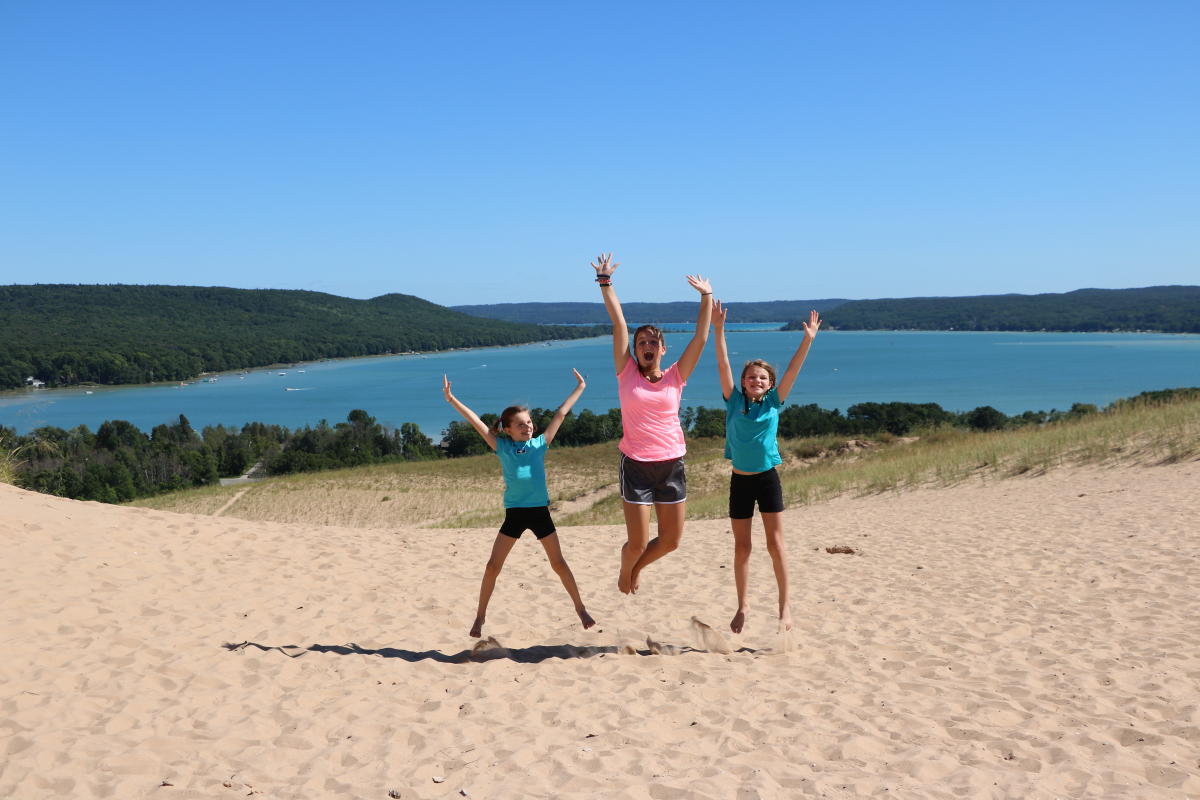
{"x":484,"y":152}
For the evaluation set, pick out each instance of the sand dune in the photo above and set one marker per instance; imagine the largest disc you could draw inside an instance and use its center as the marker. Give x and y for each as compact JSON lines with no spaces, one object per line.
{"x":1032,"y":638}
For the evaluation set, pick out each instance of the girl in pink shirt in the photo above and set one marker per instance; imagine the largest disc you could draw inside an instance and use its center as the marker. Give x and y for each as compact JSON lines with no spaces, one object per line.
{"x":652,"y":446}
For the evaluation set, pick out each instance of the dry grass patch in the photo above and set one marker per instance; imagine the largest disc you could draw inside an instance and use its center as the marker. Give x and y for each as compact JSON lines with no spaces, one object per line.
{"x":466,"y":492}
{"x":205,"y":500}
{"x":460,"y":492}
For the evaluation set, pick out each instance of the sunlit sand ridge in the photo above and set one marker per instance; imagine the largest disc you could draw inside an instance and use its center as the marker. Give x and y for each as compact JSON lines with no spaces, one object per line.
{"x":1033,"y":637}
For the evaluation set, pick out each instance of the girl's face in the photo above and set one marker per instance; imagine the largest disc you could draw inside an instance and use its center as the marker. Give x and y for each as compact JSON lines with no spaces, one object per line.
{"x":520,"y":427}
{"x":756,"y":382}
{"x":649,"y":350}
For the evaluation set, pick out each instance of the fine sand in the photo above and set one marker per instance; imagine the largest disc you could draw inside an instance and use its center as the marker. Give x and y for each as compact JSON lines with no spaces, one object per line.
{"x":1029,"y":638}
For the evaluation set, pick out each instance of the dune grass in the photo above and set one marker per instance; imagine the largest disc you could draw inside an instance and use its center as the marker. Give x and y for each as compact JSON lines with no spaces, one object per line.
{"x":460,"y":492}
{"x":466,"y":492}
{"x":10,"y":457}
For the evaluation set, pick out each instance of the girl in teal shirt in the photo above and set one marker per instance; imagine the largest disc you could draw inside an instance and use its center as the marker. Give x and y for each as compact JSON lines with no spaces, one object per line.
{"x":751,"y":426}
{"x":526,"y":501}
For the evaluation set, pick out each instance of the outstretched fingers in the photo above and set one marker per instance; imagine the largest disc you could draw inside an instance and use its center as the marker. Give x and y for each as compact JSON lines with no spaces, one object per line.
{"x":579,"y":377}
{"x":813,"y":323}
{"x":604,"y":264}
{"x":719,"y":313}
{"x":700,"y":284}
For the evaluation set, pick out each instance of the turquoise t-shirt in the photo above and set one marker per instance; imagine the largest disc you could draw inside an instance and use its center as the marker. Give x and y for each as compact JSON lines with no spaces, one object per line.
{"x":524,"y":466}
{"x":750,"y":431}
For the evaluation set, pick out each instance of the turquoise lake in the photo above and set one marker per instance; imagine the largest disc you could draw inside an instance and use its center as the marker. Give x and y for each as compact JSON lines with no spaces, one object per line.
{"x":1013,"y":372}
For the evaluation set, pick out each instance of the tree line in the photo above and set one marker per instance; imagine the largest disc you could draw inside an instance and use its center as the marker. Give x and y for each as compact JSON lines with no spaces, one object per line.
{"x":66,"y":334}
{"x":119,"y":462}
{"x":567,"y":313}
{"x":1164,"y":309}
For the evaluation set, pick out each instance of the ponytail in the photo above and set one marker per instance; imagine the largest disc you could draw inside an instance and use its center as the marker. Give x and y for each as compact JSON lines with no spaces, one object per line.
{"x":506,"y":417}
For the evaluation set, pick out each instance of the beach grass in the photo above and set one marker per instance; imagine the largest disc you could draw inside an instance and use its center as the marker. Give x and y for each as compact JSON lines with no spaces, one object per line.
{"x":9,"y":459}
{"x":466,"y":492}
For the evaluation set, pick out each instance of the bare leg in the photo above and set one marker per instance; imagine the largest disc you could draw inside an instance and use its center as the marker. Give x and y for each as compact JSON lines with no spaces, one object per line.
{"x":773,"y":522}
{"x":670,"y":531}
{"x":500,"y":550}
{"x":637,"y":527}
{"x":742,"y":545}
{"x":553,"y":550}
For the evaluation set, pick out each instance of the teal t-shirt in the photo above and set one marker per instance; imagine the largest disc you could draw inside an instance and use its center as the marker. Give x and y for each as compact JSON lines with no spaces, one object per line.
{"x":750,"y":431}
{"x":524,"y":466}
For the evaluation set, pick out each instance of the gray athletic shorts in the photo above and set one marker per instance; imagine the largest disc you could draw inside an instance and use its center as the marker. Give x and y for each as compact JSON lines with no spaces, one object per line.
{"x":649,"y":482}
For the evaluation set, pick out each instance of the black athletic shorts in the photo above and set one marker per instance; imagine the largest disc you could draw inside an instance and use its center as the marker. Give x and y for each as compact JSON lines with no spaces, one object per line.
{"x":519,"y":520}
{"x":648,"y":482}
{"x":761,"y":487}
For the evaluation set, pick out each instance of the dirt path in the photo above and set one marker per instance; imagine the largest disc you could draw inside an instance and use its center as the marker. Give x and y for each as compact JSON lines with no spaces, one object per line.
{"x":585,"y":500}
{"x":232,"y":500}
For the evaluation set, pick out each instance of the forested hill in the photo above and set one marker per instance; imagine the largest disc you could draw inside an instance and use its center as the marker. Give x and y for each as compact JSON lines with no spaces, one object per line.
{"x":559,"y":313}
{"x":66,"y":334}
{"x":1166,"y":309}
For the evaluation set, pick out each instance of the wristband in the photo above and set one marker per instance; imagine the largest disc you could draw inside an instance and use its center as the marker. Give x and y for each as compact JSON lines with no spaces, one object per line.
{"x":604,"y":280}
{"x":702,"y":294}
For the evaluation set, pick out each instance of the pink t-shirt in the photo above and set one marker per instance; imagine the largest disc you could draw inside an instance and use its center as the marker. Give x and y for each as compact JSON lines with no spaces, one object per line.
{"x":650,"y":414}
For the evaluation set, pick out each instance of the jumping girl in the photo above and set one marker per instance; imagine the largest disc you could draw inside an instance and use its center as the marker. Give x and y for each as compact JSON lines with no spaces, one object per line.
{"x":751,"y":424}
{"x":652,"y":445}
{"x":526,"y":501}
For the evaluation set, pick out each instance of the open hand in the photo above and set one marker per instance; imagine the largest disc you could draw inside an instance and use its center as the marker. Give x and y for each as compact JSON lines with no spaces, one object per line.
{"x":579,"y":377}
{"x":810,"y":327}
{"x":718,"y":315}
{"x":446,"y":388}
{"x":604,"y":265}
{"x":700,"y":284}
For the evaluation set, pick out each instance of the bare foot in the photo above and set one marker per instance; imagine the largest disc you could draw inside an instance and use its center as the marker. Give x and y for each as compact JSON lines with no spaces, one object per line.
{"x":634,"y":583}
{"x":586,"y":619}
{"x":477,"y":628}
{"x":623,"y":583}
{"x":785,"y":621}
{"x":738,"y":621}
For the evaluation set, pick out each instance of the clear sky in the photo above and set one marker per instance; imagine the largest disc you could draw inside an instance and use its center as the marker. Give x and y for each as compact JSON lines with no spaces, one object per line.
{"x":475,"y":152}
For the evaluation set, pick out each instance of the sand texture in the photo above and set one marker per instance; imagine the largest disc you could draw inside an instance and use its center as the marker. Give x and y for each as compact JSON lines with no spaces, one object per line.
{"x":1029,"y":638}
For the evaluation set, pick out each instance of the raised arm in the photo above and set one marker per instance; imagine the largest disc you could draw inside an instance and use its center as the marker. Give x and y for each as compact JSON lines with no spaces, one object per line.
{"x":604,"y":267}
{"x":723,"y":370}
{"x":557,"y":420}
{"x":469,"y":415}
{"x":793,"y":368}
{"x":691,"y":354}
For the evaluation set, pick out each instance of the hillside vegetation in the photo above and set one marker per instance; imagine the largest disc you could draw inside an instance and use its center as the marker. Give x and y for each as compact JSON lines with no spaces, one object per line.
{"x":768,"y":311}
{"x":465,"y":492}
{"x":68,"y":334}
{"x":1165,"y":309}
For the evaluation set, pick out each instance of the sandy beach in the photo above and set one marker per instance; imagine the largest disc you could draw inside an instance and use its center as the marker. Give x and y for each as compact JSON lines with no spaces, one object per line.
{"x":1027,"y":638}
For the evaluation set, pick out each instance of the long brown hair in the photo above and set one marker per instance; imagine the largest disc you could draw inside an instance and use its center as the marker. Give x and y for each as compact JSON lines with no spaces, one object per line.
{"x":506,"y":418}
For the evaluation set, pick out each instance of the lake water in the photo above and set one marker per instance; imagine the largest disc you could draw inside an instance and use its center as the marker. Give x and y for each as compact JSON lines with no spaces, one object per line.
{"x":1013,"y":372}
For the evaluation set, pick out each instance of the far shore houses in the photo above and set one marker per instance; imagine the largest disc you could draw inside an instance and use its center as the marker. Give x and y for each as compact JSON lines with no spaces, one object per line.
{"x":35,"y":383}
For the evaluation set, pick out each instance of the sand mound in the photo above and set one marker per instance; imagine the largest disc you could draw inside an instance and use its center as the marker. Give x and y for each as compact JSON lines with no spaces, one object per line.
{"x":1027,"y":638}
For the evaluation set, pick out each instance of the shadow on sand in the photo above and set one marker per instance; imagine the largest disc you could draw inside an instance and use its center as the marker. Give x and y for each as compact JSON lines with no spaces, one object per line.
{"x":484,"y":650}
